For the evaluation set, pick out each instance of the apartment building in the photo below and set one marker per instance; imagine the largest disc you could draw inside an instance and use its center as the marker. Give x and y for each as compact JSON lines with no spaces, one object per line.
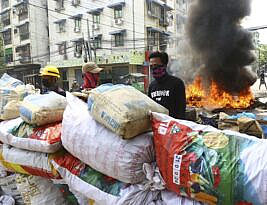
{"x":117,"y":33}
{"x":25,"y":35}
{"x":179,"y":18}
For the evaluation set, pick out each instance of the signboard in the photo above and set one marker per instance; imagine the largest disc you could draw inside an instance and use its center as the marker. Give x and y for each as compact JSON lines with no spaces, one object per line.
{"x":76,"y":62}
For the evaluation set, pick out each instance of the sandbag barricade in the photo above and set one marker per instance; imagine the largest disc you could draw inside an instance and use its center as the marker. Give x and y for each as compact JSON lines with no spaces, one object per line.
{"x":27,"y":162}
{"x":102,"y":149}
{"x":9,"y":187}
{"x":43,"y":109}
{"x":12,"y":92}
{"x":39,"y":191}
{"x":122,"y":109}
{"x":22,"y":135}
{"x":209,"y":165}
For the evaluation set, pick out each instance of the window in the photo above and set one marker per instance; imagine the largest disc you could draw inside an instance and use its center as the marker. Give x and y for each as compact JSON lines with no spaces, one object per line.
{"x":154,"y":10}
{"x":77,"y":25}
{"x":23,"y":11}
{"x":5,"y":17}
{"x":118,"y":12}
{"x":59,"y":5}
{"x":7,"y":37}
{"x":24,"y":53}
{"x":75,"y":2}
{"x":8,"y":55}
{"x":96,"y":18}
{"x":78,"y":49}
{"x":62,"y":48}
{"x":152,"y":38}
{"x":119,"y":40}
{"x":24,"y":32}
{"x":98,"y":42}
{"x":4,"y":4}
{"x":61,"y":27}
{"x":65,"y":82}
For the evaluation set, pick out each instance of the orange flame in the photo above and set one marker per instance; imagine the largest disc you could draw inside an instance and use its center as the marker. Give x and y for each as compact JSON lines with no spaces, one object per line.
{"x":197,"y":96}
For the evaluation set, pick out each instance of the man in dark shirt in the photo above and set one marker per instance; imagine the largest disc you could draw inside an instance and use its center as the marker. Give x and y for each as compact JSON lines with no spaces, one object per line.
{"x":167,"y":90}
{"x":50,"y":76}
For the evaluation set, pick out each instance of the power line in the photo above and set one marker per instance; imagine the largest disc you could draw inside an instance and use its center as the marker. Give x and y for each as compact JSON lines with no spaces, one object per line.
{"x":65,"y":14}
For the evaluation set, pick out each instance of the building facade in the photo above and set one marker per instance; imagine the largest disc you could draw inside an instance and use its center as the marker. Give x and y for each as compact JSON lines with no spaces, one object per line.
{"x":25,"y":35}
{"x":116,"y":34}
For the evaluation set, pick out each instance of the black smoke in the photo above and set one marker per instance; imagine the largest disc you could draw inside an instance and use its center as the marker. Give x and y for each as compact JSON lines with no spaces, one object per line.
{"x":221,"y":44}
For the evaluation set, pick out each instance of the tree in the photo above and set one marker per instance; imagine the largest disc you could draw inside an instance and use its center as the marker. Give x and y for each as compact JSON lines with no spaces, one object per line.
{"x":2,"y":57}
{"x":262,"y":55}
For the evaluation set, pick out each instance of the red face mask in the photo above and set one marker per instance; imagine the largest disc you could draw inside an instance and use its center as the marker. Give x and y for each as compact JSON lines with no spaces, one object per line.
{"x":158,"y":71}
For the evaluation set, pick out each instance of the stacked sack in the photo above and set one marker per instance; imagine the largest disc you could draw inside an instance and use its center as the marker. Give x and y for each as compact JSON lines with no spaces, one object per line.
{"x":112,"y":156}
{"x":102,"y":149}
{"x":12,"y":92}
{"x":30,"y":142}
{"x":210,"y":165}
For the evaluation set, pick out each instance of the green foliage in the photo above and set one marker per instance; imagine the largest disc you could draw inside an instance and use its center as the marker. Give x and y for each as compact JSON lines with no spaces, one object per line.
{"x":262,"y":55}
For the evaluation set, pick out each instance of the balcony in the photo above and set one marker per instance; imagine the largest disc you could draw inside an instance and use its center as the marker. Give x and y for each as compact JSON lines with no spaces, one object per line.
{"x":24,"y":33}
{"x":6,"y":33}
{"x":21,"y":9}
{"x":24,"y":54}
{"x":163,"y":22}
{"x":24,"y":59}
{"x":5,"y":17}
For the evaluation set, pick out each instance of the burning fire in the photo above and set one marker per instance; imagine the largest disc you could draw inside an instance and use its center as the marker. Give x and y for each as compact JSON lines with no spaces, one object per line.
{"x":197,"y":96}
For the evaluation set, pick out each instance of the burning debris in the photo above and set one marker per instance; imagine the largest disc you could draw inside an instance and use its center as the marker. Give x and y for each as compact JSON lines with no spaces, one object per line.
{"x":222,"y":45}
{"x":197,"y":96}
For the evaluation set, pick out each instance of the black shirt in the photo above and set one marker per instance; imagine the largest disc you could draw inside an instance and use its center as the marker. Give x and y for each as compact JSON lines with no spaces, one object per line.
{"x":56,"y":89}
{"x":169,"y":91}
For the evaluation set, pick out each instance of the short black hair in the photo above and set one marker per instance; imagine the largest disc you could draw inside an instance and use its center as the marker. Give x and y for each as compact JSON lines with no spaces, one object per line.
{"x":164,"y":58}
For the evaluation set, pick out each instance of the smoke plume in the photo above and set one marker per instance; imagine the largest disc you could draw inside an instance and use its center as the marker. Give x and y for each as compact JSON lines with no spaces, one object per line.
{"x":221,"y":44}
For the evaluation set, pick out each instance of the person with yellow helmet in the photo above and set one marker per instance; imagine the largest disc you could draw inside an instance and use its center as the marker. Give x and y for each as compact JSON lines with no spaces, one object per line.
{"x":50,"y":75}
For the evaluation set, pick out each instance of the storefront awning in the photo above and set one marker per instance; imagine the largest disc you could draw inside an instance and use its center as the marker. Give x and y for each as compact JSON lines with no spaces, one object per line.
{"x":116,"y":4}
{"x":77,"y":16}
{"x":60,"y":21}
{"x":153,"y":29}
{"x":95,"y":11}
{"x":117,"y":32}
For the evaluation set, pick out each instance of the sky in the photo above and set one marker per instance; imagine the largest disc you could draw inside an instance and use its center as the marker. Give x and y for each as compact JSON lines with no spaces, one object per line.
{"x":258,"y":17}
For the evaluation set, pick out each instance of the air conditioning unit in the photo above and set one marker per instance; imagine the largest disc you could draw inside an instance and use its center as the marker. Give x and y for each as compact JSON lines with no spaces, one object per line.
{"x":118,"y":21}
{"x":95,"y":26}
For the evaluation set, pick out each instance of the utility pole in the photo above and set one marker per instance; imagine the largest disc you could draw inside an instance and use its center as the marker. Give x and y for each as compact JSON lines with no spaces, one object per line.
{"x":89,"y":42}
{"x":133,"y":26}
{"x":94,"y":46}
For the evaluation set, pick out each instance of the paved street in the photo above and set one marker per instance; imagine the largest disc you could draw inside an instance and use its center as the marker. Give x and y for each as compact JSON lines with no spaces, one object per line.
{"x":255,"y":89}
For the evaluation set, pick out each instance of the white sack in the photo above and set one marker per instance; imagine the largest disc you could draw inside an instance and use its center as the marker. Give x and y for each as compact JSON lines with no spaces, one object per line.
{"x":102,"y":149}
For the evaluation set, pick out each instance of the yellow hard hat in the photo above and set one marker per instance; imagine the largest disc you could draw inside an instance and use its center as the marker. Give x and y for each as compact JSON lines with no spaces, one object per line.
{"x":50,"y":70}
